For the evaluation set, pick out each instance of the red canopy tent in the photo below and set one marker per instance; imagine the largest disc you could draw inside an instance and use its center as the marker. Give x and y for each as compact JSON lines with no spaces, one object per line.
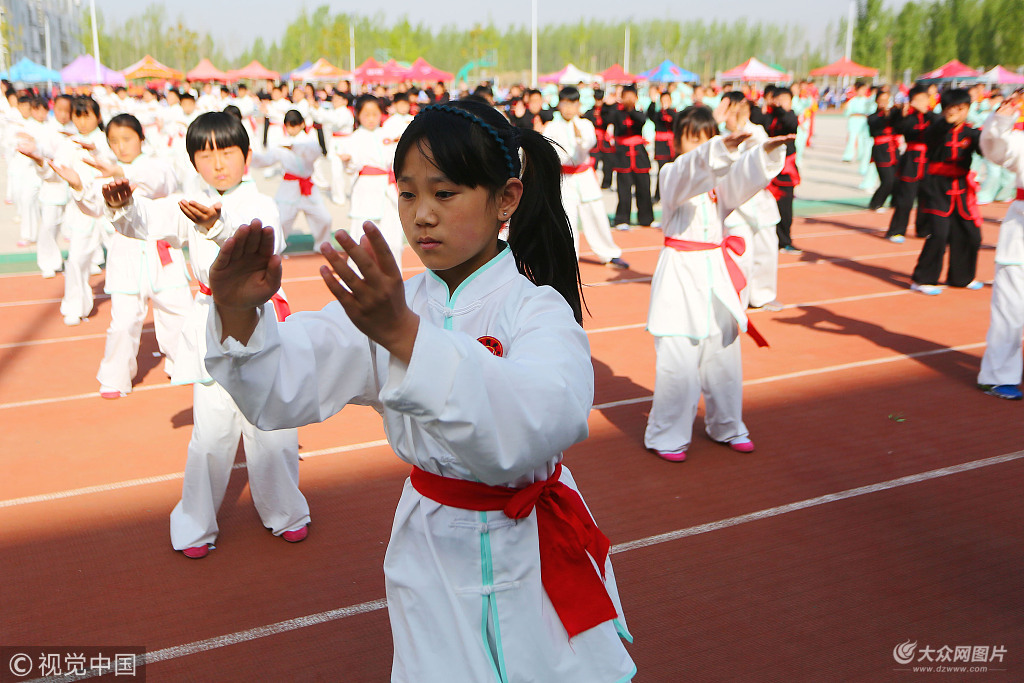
{"x":254,"y":71}
{"x":372,"y":71}
{"x":753,"y":70}
{"x":845,"y":67}
{"x":615,"y":74}
{"x":148,"y":67}
{"x":953,"y":69}
{"x":421,"y":70}
{"x":206,"y":71}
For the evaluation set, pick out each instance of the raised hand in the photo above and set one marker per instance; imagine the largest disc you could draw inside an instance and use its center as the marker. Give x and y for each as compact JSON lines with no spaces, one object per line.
{"x":203,"y":216}
{"x":106,"y":168}
{"x":69,"y":175}
{"x":771,"y":144}
{"x":375,"y":302}
{"x":734,"y":140}
{"x":87,"y":146}
{"x":244,"y":276}
{"x":28,"y":149}
{"x":117,"y":193}
{"x":722,"y":110}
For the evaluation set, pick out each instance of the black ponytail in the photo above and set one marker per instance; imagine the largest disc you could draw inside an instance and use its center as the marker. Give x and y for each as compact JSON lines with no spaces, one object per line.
{"x":474,"y":145}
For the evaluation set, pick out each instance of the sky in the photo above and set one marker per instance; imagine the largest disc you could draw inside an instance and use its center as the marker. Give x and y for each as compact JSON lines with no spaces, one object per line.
{"x":233,"y":22}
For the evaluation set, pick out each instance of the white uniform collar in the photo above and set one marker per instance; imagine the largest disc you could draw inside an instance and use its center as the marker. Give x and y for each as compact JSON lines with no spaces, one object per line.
{"x":483,"y":281}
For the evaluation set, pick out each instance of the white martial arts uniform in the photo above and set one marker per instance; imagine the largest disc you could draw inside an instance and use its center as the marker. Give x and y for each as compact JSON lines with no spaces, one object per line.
{"x":53,"y":198}
{"x":390,"y":223}
{"x":695,"y":312}
{"x":271,"y":456}
{"x":26,"y":182}
{"x":372,"y":162}
{"x":297,"y":160}
{"x":755,"y":222}
{"x":1002,"y":362}
{"x":337,"y":124}
{"x":135,"y":276}
{"x":581,"y":191}
{"x":457,"y":411}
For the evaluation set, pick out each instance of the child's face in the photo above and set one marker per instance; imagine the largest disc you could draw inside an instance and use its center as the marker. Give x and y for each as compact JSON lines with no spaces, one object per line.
{"x":882,"y":101}
{"x":783,"y":101}
{"x":402,"y":107}
{"x":124,"y":143}
{"x":956,"y":114}
{"x":25,"y":109}
{"x":568,"y":110}
{"x":452,"y":228}
{"x":62,"y":111}
{"x":39,"y":113}
{"x":85,"y":122}
{"x":224,"y":168}
{"x":369,"y":117}
{"x":690,"y":142}
{"x":920,"y":102}
{"x":292,"y":131}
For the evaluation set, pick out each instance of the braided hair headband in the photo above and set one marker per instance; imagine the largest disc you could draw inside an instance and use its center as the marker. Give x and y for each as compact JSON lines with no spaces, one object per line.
{"x":488,"y":128}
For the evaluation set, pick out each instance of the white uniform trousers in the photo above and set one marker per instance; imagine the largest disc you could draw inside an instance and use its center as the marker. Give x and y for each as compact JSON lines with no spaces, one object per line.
{"x":317,"y":216}
{"x":48,"y":256}
{"x":685,"y":369}
{"x":1002,"y":362}
{"x":127,"y":315}
{"x":272,"y":461}
{"x":390,"y":224}
{"x":763,"y":278}
{"x":26,"y":202}
{"x":592,"y":218}
{"x":745,"y":260}
{"x":341,"y":180}
{"x":85,"y":243}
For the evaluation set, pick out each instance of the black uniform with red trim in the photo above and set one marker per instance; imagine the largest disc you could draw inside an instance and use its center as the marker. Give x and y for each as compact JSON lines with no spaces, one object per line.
{"x":604,"y":152}
{"x":948,"y":197}
{"x":884,"y":152}
{"x":663,"y":121}
{"x":910,"y":171}
{"x":778,"y":121}
{"x":632,"y":166}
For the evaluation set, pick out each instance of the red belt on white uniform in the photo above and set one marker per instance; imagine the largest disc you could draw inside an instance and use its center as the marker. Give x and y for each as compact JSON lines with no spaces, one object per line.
{"x":281,"y":307}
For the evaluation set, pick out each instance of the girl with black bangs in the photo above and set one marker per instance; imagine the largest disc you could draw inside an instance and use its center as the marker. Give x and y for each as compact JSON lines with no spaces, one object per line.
{"x":481,"y":371}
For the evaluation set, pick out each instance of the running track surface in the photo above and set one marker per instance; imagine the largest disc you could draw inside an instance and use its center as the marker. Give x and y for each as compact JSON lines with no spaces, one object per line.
{"x":876,"y":509}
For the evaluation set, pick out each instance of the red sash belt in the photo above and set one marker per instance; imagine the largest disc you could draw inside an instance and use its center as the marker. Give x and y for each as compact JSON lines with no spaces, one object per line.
{"x":946,"y":170}
{"x":281,"y":307}
{"x":630,"y":140}
{"x":735,"y":244}
{"x":1020,"y":195}
{"x":917,"y":147}
{"x":305,"y":184}
{"x":582,"y":168}
{"x":163,"y":248}
{"x":663,"y":135}
{"x":372,"y":170}
{"x":886,"y":139}
{"x":340,"y":135}
{"x":568,"y":539}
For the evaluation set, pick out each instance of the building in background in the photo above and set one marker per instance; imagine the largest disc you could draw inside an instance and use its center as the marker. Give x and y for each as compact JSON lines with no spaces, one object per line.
{"x":23,"y":31}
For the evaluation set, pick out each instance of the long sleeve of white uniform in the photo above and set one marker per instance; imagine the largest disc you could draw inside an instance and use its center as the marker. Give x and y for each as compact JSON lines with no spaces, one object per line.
{"x":501,"y":417}
{"x":999,"y":144}
{"x":694,"y":173}
{"x":159,"y":219}
{"x":297,"y":372}
{"x":749,"y":175}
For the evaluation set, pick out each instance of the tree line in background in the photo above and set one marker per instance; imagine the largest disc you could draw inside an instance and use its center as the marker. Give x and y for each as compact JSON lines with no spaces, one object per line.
{"x":920,"y":36}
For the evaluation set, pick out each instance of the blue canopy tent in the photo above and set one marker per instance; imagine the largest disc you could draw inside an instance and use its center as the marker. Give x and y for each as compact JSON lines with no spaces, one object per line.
{"x":28,"y":71}
{"x":669,"y":72}
{"x":302,"y":67}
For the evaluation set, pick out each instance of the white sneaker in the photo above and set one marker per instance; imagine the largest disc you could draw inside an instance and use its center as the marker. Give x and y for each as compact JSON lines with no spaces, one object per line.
{"x":897,"y":239}
{"x":622,"y":226}
{"x":656,"y":224}
{"x":930,"y":290}
{"x":95,"y":270}
{"x":49,"y":274}
{"x":72,"y":320}
{"x":974,"y":284}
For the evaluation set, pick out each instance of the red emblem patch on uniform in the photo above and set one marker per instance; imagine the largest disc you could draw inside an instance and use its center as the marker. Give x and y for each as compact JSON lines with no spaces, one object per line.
{"x":492,"y":345}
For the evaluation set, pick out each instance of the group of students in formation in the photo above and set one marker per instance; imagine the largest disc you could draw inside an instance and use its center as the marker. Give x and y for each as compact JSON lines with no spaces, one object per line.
{"x":929,"y":150}
{"x":479,"y":366}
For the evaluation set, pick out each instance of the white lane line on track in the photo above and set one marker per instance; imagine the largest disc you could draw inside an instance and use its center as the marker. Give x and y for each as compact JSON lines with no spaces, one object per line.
{"x":658,"y":539}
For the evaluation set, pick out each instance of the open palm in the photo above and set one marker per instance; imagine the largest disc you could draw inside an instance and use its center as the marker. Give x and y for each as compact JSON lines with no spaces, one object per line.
{"x":247,"y":272}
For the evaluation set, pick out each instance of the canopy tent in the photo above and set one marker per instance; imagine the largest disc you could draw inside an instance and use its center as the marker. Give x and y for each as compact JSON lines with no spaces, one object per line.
{"x":320,"y":70}
{"x":422,"y":70}
{"x":953,"y":69}
{"x":254,"y":71}
{"x":753,"y":70}
{"x":206,"y":71}
{"x":28,"y":71}
{"x":615,"y":74}
{"x":569,"y":75}
{"x":999,"y":75}
{"x":669,"y":72}
{"x":296,"y":73}
{"x":83,"y":70}
{"x":372,"y":71}
{"x":845,"y":67}
{"x":147,"y":67}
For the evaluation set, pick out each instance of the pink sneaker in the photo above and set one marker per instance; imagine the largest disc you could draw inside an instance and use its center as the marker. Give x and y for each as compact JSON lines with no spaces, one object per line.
{"x":110,"y":394}
{"x":196,"y":553}
{"x":296,"y":536}
{"x":742,"y":445}
{"x":671,"y":456}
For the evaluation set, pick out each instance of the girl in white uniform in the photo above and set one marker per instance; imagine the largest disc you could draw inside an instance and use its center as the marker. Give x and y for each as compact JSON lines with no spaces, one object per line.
{"x":338,"y":123}
{"x":203,"y":217}
{"x":138,"y":271}
{"x":483,"y":377}
{"x":1002,"y":364}
{"x":695,"y":313}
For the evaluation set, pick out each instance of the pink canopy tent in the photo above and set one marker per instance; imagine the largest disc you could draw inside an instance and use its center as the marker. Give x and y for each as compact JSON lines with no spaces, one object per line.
{"x":148,"y":67}
{"x":570,"y":74}
{"x":753,"y":70}
{"x":83,"y":70}
{"x":845,"y":67}
{"x":254,"y":71}
{"x":1000,"y":75}
{"x":321,"y":70}
{"x":422,"y":70}
{"x":615,"y":74}
{"x":372,"y":71}
{"x":953,"y":69}
{"x":206,"y":71}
